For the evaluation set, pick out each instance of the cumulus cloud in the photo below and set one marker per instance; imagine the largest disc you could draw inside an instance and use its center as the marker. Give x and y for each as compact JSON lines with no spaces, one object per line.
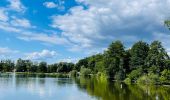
{"x":164,"y":38}
{"x":16,"y":5}
{"x":106,"y":20}
{"x":44,"y":54}
{"x":59,"y":4}
{"x":50,"y":4}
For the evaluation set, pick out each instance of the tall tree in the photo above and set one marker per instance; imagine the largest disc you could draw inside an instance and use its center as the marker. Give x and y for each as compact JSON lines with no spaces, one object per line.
{"x":112,"y":58}
{"x":139,"y":52}
{"x":157,"y":56}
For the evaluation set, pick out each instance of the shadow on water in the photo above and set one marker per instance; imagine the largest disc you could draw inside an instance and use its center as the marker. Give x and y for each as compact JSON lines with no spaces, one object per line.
{"x":107,"y":90}
{"x":96,"y":88}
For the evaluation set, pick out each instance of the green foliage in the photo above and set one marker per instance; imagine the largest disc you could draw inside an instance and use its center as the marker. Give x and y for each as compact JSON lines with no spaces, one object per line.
{"x":120,"y":75}
{"x":6,"y":66}
{"x":143,"y":63}
{"x":157,"y":55}
{"x":73,"y":73}
{"x":139,"y":52}
{"x":135,"y":74}
{"x":154,"y":69}
{"x":165,"y":76}
{"x":82,"y":62}
{"x":85,"y":71}
{"x":42,"y":68}
{"x":65,"y":67}
{"x":113,"y":58}
{"x":128,"y":81}
{"x":149,"y":79}
{"x":167,"y":24}
{"x":21,"y":65}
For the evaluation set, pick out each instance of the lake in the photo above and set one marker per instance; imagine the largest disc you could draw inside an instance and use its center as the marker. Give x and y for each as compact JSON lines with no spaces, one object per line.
{"x":37,"y":87}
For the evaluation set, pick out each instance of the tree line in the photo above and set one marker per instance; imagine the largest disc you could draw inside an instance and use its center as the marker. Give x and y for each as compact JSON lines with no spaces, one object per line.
{"x":143,"y":62}
{"x":35,"y":67}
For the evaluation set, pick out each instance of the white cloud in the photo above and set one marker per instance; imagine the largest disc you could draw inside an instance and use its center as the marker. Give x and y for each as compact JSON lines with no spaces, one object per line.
{"x":164,"y":38}
{"x":44,"y":54}
{"x":21,"y":23}
{"x":107,"y":20}
{"x":7,"y":27}
{"x":7,"y":51}
{"x":43,"y":37}
{"x":3,"y":15}
{"x":58,"y":5}
{"x":16,"y":5}
{"x":50,"y":5}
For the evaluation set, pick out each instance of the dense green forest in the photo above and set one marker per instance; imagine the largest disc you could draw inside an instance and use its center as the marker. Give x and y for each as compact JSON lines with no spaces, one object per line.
{"x":142,"y":63}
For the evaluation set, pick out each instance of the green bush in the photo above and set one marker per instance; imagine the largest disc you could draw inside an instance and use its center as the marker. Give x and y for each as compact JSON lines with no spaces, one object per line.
{"x":128,"y":81}
{"x":135,"y":74}
{"x":120,"y":76}
{"x":73,"y":73}
{"x":165,"y":76}
{"x":148,"y":79}
{"x":85,"y":71}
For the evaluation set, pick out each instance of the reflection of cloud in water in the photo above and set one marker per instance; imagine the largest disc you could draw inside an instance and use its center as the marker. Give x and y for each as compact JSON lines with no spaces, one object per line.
{"x":34,"y":88}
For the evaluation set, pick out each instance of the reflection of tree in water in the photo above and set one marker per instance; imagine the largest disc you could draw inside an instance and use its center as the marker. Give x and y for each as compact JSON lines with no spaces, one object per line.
{"x":64,"y":82}
{"x":106,"y":90}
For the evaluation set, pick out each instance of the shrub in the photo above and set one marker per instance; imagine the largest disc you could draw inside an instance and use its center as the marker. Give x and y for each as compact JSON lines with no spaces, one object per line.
{"x":135,"y":74}
{"x":165,"y":76}
{"x":85,"y":71}
{"x":128,"y":81}
{"x":148,"y":79}
{"x":73,"y":73}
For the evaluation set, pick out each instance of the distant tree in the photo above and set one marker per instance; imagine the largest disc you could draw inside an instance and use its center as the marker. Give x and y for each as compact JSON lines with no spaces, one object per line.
{"x":29,"y":65}
{"x":6,"y":65}
{"x":82,"y":62}
{"x":1,"y":66}
{"x":139,"y":52}
{"x":42,"y":68}
{"x":52,"y":68}
{"x":21,"y":65}
{"x":65,"y":67}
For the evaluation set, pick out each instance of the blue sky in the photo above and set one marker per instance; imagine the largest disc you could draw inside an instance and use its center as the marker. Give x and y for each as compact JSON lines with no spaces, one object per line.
{"x":67,"y":30}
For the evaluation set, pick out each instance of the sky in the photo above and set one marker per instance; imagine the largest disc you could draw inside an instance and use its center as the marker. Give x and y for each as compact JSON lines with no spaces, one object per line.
{"x":68,"y":30}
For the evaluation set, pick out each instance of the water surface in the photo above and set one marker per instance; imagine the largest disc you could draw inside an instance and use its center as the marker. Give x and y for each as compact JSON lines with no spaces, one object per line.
{"x":35,"y":87}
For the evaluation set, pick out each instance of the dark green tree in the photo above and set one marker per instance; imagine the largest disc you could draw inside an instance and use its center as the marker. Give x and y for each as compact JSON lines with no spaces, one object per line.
{"x":82,"y":62}
{"x":157,"y":56}
{"x":21,"y":65}
{"x":42,"y":68}
{"x":113,"y":57}
{"x":64,"y":67}
{"x":139,"y":52}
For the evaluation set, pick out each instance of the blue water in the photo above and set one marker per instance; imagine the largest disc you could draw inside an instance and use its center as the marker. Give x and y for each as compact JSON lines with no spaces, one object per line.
{"x":35,"y":88}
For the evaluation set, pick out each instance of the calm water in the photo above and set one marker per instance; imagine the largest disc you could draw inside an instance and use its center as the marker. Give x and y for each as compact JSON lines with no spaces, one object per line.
{"x":33,"y":87}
